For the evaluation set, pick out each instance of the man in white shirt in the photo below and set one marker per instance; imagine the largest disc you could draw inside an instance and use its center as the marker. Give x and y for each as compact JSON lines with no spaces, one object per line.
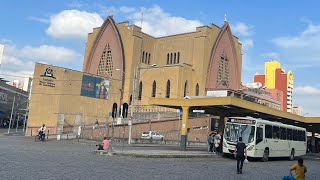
{"x":42,"y":132}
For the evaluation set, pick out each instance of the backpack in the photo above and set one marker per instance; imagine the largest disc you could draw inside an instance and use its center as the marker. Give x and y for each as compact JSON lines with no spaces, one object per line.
{"x":288,"y":178}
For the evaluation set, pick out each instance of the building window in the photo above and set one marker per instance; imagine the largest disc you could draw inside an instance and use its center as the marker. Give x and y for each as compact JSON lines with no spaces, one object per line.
{"x":105,"y":64}
{"x":197,"y":89}
{"x":146,"y":59}
{"x":185,"y":92}
{"x":149,"y":59}
{"x":223,"y":71}
{"x":168,"y":89}
{"x":140,"y":91}
{"x":130,"y":99}
{"x":175,"y":58}
{"x":178,"y":59}
{"x":142,"y":57}
{"x":170,"y":58}
{"x":154,"y":87}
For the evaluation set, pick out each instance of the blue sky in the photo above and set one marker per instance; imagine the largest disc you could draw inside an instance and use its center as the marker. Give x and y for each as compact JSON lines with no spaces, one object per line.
{"x":54,"y":32}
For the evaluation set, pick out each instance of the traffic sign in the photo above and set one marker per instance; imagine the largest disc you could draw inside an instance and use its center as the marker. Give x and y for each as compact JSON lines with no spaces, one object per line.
{"x":130,"y":120}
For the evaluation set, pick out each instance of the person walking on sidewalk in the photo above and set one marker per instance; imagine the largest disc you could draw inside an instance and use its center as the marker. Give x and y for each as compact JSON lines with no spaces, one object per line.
{"x":300,"y":170}
{"x":217,"y":140}
{"x":240,"y":154}
{"x":210,"y":142}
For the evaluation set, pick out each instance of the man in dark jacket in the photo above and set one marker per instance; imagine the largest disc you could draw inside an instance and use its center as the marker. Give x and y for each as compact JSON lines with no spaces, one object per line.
{"x":240,"y":154}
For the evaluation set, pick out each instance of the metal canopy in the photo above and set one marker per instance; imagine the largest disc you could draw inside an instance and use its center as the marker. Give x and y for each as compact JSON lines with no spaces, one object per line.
{"x":231,"y":106}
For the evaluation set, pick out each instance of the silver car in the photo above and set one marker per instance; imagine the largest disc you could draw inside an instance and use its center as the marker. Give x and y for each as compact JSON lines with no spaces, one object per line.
{"x":152,"y":135}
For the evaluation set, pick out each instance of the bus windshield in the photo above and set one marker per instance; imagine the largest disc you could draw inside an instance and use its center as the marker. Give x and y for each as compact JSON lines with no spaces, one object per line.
{"x":234,"y":131}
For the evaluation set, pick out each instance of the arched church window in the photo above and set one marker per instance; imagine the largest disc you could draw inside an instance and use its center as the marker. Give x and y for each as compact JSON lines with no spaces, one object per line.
{"x":140,"y":91}
{"x":223,"y":71}
{"x":175,"y":58}
{"x":168,"y":89}
{"x":185,"y":89}
{"x":168,"y":58}
{"x":171,"y":58}
{"x":154,"y":88}
{"x":197,"y":89}
{"x":105,"y":64}
{"x":178,"y":59}
{"x":142,"y":57}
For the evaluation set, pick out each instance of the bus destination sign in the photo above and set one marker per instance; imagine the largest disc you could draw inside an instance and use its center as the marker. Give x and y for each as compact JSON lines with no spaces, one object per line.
{"x":242,"y":121}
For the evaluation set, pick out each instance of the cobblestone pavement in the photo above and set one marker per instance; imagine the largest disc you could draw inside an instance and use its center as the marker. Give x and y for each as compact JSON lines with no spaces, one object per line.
{"x":22,"y":158}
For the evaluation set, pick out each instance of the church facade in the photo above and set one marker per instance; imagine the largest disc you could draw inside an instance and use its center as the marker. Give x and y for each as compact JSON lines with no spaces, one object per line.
{"x":122,"y":65}
{"x":175,"y":66}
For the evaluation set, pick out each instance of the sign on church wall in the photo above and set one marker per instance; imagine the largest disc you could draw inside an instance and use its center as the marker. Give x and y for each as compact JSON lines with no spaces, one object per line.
{"x":95,"y":87}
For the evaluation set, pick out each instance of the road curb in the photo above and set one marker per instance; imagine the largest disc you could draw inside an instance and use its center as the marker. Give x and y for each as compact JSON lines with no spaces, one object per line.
{"x":138,"y":155}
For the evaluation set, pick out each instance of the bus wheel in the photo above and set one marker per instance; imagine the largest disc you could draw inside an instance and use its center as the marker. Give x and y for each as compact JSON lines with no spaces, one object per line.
{"x":265,"y":156}
{"x":291,"y":158}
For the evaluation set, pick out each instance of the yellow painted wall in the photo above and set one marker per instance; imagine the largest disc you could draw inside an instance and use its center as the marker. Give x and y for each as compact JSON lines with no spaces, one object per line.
{"x":46,"y":102}
{"x":195,"y":50}
{"x":270,"y":73}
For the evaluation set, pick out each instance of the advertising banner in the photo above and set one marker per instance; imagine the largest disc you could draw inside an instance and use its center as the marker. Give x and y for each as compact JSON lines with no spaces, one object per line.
{"x":95,"y":87}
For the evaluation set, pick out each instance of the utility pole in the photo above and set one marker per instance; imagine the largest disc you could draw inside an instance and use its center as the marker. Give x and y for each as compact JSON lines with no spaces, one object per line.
{"x":112,"y":139}
{"x":132,"y":101}
{"x":14,"y":100}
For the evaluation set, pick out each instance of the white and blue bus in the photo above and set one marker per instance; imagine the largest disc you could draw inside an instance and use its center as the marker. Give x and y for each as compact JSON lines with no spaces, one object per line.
{"x":264,"y":138}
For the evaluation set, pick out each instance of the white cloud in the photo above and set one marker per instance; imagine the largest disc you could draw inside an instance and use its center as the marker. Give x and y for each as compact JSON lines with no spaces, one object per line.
{"x":42,"y":20}
{"x":49,"y":53}
{"x":42,"y":53}
{"x":271,"y":55}
{"x":158,"y":23}
{"x":301,"y":48}
{"x":308,"y":98}
{"x":20,"y":62}
{"x":247,"y":43}
{"x":307,"y":90}
{"x":241,"y":29}
{"x":73,"y":24}
{"x":244,"y":32}
{"x":126,"y":9}
{"x":5,"y":41}
{"x":76,"y":4}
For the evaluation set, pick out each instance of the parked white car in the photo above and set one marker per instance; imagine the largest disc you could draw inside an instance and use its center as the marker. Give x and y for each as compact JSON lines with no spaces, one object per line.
{"x":152,"y":135}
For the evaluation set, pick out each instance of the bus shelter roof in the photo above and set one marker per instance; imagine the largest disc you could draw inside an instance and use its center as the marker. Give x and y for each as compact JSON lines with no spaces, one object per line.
{"x":232,"y":106}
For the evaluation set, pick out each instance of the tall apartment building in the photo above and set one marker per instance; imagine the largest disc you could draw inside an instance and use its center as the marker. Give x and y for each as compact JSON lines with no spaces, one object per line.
{"x":276,"y":78}
{"x":296,"y":109}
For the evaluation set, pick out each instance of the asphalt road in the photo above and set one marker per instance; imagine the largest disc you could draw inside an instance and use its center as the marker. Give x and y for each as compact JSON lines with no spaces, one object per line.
{"x":22,"y":158}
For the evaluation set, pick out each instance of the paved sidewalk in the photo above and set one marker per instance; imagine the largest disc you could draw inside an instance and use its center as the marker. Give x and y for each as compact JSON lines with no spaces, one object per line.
{"x":156,"y":151}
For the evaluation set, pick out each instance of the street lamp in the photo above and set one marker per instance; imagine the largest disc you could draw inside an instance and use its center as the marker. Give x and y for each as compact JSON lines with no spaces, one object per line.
{"x":136,"y":68}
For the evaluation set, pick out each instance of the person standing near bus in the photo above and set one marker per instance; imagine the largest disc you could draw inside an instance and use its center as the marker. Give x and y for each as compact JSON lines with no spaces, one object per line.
{"x":240,"y":154}
{"x":300,"y":170}
{"x":210,"y":142}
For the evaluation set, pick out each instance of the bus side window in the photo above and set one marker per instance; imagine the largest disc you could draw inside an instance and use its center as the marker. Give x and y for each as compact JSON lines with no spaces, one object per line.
{"x":289,"y":134}
{"x":268,"y":132}
{"x":276,"y":132}
{"x":259,"y":135}
{"x":283,"y":133}
{"x":295,"y":135}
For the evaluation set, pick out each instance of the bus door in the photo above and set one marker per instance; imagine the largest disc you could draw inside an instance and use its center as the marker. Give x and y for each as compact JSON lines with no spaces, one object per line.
{"x":260,"y":141}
